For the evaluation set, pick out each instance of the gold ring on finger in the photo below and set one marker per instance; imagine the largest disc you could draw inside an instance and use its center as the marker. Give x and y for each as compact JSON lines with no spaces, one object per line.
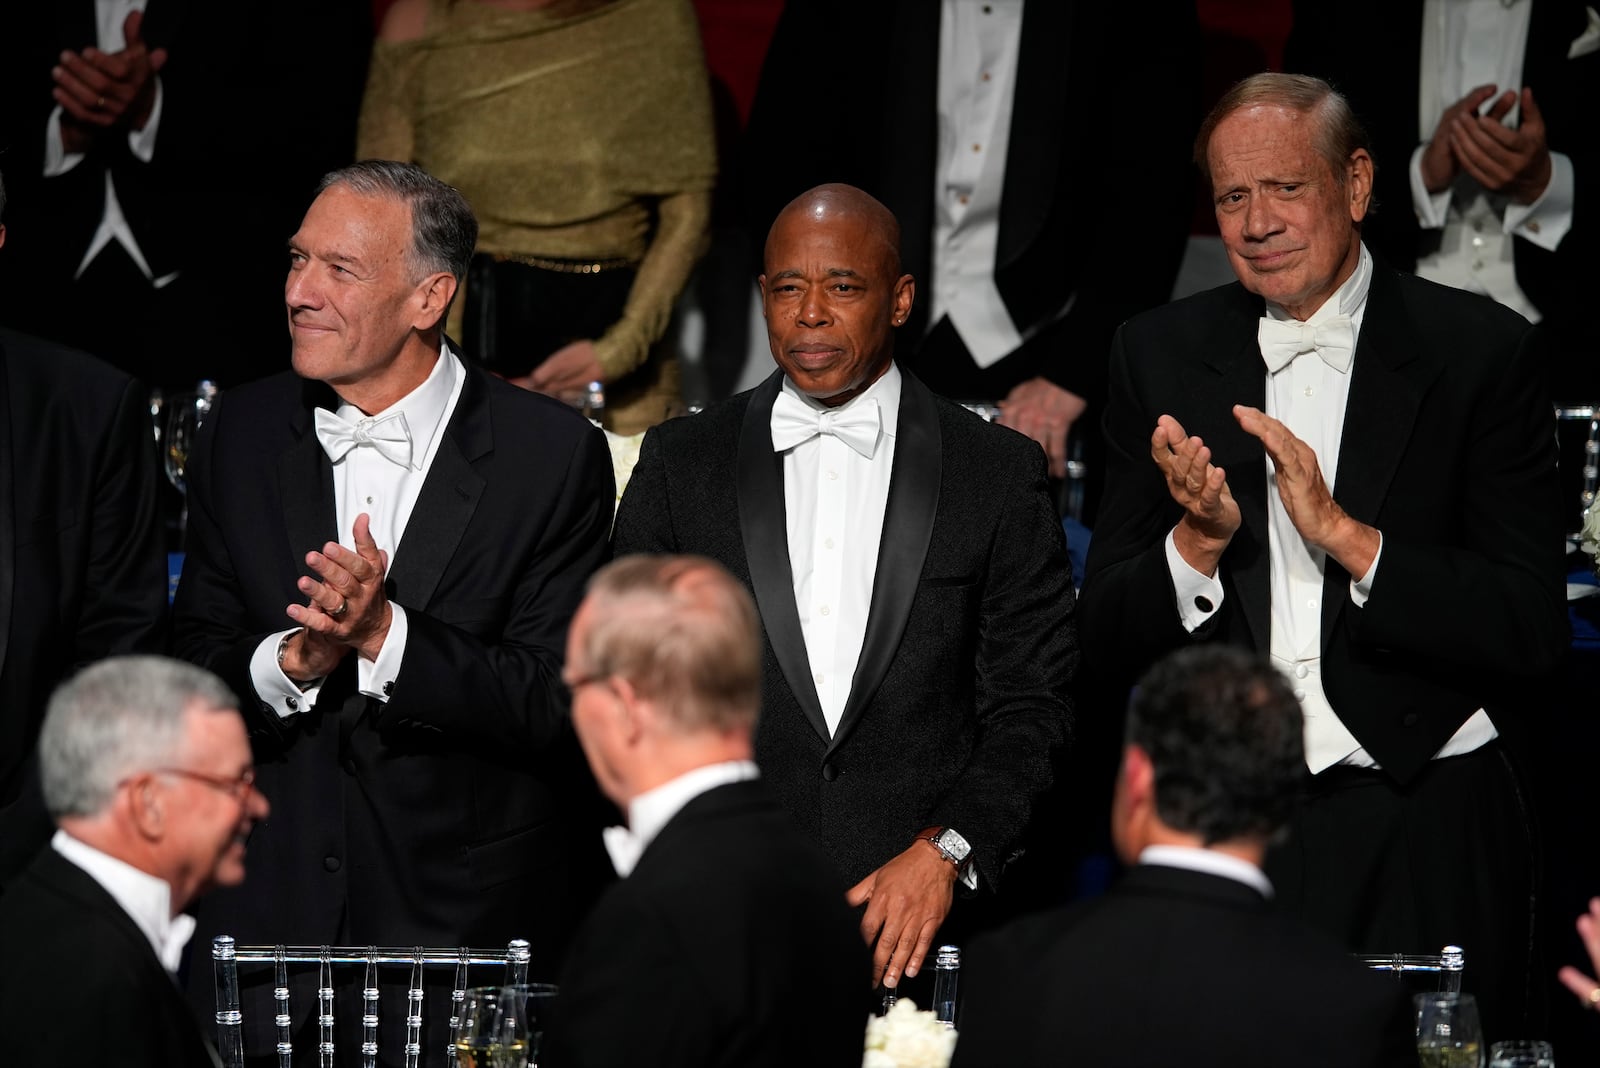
{"x":344,"y":606}
{"x":1594,"y":998}
{"x":100,"y":104}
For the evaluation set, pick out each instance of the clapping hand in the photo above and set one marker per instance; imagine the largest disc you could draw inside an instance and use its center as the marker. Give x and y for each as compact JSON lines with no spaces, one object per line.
{"x":347,"y":610}
{"x":99,"y":90}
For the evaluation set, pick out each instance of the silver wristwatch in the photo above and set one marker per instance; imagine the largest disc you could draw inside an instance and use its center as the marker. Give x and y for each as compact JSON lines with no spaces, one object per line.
{"x":949,"y":843}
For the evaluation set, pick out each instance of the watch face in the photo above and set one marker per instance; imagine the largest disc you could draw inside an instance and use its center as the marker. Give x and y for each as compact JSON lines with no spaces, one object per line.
{"x":951,"y":842}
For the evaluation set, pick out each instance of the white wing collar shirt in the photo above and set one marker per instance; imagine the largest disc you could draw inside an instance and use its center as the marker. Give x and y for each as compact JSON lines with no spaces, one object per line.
{"x":835,"y":489}
{"x":1308,"y":367}
{"x":109,"y":15}
{"x":654,"y":809}
{"x":379,"y":465}
{"x":1465,"y":44}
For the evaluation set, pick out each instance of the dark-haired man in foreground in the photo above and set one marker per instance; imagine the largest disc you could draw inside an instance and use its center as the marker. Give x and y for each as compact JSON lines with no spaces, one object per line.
{"x":1186,"y":960}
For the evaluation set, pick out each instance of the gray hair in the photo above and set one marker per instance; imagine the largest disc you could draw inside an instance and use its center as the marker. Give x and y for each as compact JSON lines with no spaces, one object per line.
{"x":1338,"y":135}
{"x":114,"y":719}
{"x":443,"y":229}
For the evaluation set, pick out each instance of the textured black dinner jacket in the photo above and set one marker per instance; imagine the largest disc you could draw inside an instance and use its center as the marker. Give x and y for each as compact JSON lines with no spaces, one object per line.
{"x":1448,"y":449}
{"x":959,"y":700}
{"x":81,"y":983}
{"x":1174,"y":967}
{"x":729,"y":944}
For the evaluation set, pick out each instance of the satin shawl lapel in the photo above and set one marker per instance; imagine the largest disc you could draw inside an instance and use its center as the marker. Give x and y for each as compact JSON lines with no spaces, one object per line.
{"x":1038,"y":117}
{"x":305,"y":481}
{"x":449,"y":497}
{"x":8,"y":505}
{"x":759,"y":483}
{"x":907,"y":529}
{"x":1386,"y":391}
{"x":1230,"y":372}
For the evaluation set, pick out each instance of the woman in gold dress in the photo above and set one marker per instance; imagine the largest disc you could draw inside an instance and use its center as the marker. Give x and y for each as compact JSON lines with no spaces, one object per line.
{"x":580,"y":131}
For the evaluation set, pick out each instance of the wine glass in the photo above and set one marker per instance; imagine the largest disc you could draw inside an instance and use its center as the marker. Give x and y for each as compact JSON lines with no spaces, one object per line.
{"x":1522,"y":1053}
{"x":185,"y":414}
{"x":1448,"y":1032}
{"x":537,"y":1000}
{"x":494,"y":1029}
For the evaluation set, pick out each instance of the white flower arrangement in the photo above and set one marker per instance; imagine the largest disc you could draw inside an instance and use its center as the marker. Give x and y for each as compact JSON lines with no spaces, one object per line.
{"x":907,"y":1038}
{"x":1589,"y":538}
{"x":624,"y":454}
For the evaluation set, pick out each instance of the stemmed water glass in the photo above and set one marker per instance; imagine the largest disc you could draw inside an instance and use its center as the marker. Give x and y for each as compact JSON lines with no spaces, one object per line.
{"x":1448,"y":1032}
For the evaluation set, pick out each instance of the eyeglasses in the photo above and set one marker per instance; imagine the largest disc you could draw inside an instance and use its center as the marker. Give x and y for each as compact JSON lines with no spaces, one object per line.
{"x":586,"y":680}
{"x":238,"y":789}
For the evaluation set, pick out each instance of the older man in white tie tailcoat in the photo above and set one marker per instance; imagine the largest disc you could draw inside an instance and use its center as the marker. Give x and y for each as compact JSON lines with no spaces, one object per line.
{"x":1352,"y":471}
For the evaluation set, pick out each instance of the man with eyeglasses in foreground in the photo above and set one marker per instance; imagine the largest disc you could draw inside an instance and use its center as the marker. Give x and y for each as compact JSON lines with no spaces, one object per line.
{"x":146,"y":770}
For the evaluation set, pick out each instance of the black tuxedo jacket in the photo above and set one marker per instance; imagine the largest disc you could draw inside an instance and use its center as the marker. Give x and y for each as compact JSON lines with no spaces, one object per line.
{"x":729,"y":944}
{"x":1108,"y":80}
{"x":81,"y":984}
{"x":1379,"y":74}
{"x":1447,"y":449}
{"x":82,"y":571}
{"x":959,"y":700}
{"x":1174,"y":967}
{"x":437,"y":818}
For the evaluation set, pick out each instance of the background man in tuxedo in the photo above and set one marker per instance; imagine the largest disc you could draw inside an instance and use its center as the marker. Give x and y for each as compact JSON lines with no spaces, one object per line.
{"x":910,"y":572}
{"x":1481,"y":113}
{"x":968,"y":121}
{"x":82,"y":572}
{"x":726,"y":922}
{"x":1375,"y":509}
{"x":147,"y":770}
{"x":403,"y":691}
{"x":1208,"y":778}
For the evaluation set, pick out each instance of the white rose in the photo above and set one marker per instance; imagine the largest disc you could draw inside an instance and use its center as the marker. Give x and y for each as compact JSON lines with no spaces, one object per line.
{"x":624,"y":455}
{"x":1591,"y":530}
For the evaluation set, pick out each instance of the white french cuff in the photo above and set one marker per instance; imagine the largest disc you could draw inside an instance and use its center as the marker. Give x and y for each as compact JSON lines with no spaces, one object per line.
{"x":275,"y":689}
{"x":1197,"y":596}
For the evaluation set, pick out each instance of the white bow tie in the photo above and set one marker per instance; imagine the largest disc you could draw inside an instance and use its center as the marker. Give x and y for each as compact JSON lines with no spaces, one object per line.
{"x":624,"y":847}
{"x":388,"y":434}
{"x":794,"y":422}
{"x":1281,"y":340}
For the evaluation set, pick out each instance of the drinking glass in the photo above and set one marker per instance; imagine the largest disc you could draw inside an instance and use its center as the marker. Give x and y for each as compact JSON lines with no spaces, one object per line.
{"x":1522,"y":1053}
{"x":494,"y":1029}
{"x":537,"y":1001}
{"x":1448,"y":1032}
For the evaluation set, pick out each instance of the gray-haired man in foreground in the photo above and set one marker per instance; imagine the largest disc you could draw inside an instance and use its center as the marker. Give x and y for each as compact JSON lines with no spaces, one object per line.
{"x":147,"y":772}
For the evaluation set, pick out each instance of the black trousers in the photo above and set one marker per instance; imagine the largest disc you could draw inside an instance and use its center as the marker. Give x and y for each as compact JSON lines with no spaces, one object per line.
{"x":1451,"y":858}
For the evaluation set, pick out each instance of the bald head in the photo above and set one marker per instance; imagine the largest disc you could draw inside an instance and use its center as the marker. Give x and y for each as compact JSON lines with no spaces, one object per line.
{"x":832,"y":292}
{"x":837,"y":201}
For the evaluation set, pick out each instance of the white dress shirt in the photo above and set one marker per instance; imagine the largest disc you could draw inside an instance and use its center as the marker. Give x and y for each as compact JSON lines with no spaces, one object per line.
{"x":1465,"y":44}
{"x":146,"y":899}
{"x":834,"y":500}
{"x":654,"y":809}
{"x":109,"y":16}
{"x":1208,"y":861}
{"x":365,"y":481}
{"x":978,"y":46}
{"x":1309,"y":397}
